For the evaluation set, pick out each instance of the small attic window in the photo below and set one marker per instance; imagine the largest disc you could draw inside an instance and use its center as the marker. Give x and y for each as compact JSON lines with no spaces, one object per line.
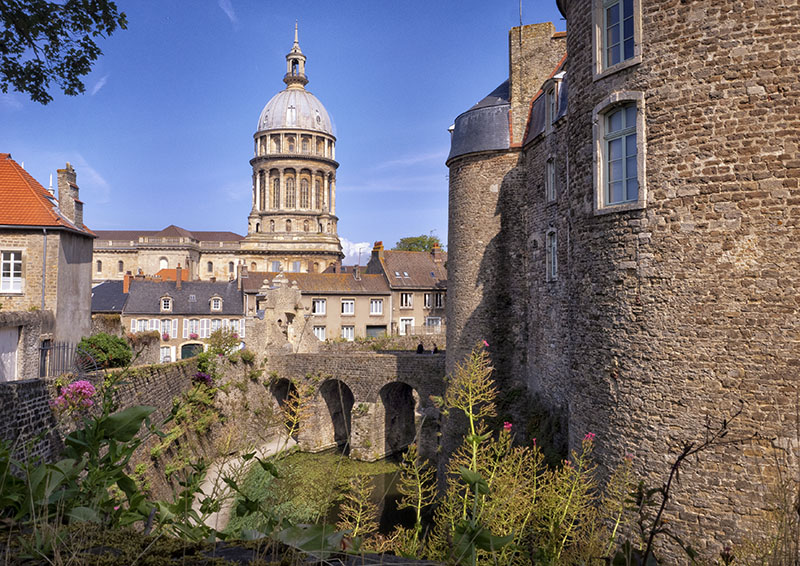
{"x":432,"y":275}
{"x":397,"y":274}
{"x":192,"y":298}
{"x":216,"y":304}
{"x":166,"y":304}
{"x":405,"y":274}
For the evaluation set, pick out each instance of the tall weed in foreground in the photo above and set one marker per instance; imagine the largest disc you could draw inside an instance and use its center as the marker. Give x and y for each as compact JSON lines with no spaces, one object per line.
{"x":503,"y":505}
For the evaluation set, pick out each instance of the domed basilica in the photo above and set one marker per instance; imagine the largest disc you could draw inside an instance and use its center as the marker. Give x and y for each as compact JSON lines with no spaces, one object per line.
{"x":292,"y":223}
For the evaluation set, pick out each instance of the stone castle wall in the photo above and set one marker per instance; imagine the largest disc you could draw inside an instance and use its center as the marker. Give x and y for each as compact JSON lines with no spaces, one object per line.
{"x":661,"y":318}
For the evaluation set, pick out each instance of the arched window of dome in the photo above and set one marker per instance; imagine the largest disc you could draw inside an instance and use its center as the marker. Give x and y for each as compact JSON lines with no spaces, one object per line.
{"x":316,"y":267}
{"x":276,"y":144}
{"x":262,"y":185}
{"x":304,"y":193}
{"x":288,"y":225}
{"x":258,"y":227}
{"x":320,"y":227}
{"x":318,"y":193}
{"x":305,"y":145}
{"x":276,"y":193}
{"x":320,"y":147}
{"x":290,"y":144}
{"x":271,"y":225}
{"x":305,"y":226}
{"x":294,"y":68}
{"x":163,"y":263}
{"x":291,"y":196}
{"x":328,"y":228}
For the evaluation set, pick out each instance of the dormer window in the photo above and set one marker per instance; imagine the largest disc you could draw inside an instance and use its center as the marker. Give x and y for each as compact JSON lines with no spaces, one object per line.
{"x":216,"y":304}
{"x":166,"y":304}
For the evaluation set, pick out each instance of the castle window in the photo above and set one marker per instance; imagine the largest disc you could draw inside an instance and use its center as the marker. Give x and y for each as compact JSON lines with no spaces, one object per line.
{"x":552,"y":256}
{"x":276,"y":193}
{"x":98,"y":265}
{"x":210,"y":267}
{"x":617,"y":35}
{"x":620,"y":153}
{"x":11,"y":272}
{"x":304,"y":194}
{"x":318,"y":307}
{"x":550,"y":180}
{"x":120,"y":267}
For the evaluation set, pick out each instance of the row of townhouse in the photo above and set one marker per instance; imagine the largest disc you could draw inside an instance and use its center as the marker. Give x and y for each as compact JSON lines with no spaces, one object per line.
{"x":398,"y":292}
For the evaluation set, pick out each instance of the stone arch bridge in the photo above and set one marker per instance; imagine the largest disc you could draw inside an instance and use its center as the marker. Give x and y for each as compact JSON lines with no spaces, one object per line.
{"x":368,"y":404}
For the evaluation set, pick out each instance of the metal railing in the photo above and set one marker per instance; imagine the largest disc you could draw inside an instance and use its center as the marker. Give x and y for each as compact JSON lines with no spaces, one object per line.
{"x":56,"y":358}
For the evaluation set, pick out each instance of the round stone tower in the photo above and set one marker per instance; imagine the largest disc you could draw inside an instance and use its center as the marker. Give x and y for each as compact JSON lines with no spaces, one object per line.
{"x":292,"y":225}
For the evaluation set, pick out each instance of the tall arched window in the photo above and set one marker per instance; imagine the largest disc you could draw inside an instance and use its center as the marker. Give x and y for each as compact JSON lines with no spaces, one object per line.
{"x":291,"y":197}
{"x":305,"y":226}
{"x":290,"y":143}
{"x":230,"y":267}
{"x":210,"y":267}
{"x":120,"y":267}
{"x":271,"y":225}
{"x":304,"y":193}
{"x":163,"y":263}
{"x":288,"y":225}
{"x":262,"y":186}
{"x":305,"y":145}
{"x":318,"y":193}
{"x":99,"y":266}
{"x":276,"y":193}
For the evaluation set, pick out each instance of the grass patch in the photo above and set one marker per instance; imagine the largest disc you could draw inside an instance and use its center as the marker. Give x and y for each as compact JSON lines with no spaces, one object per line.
{"x":309,"y":484}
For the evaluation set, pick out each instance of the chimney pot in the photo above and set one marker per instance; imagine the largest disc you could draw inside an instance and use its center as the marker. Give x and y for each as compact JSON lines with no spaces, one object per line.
{"x":178,"y":276}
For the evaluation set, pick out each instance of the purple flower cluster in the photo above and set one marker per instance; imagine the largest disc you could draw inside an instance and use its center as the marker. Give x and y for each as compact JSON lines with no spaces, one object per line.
{"x":74,"y":397}
{"x":204,"y":378}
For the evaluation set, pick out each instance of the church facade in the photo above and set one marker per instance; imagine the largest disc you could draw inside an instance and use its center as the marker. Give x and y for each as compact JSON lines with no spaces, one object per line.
{"x":292,"y":225}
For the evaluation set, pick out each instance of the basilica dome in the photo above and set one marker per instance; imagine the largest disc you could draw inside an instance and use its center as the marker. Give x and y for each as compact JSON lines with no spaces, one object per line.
{"x":296,"y":108}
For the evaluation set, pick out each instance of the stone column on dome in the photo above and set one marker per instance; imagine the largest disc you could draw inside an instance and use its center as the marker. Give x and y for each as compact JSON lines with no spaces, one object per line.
{"x":282,"y":194}
{"x":333,"y":194}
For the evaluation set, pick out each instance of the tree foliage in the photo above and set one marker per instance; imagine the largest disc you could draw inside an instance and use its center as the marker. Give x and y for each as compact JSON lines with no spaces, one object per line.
{"x":42,"y":42}
{"x":421,"y":243}
{"x":106,"y":350}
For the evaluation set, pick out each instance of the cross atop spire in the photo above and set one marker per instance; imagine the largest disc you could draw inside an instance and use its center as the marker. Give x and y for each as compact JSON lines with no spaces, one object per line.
{"x":295,"y":65}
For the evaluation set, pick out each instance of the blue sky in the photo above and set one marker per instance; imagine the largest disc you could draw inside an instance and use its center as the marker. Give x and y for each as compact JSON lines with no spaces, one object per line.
{"x":164,"y":132}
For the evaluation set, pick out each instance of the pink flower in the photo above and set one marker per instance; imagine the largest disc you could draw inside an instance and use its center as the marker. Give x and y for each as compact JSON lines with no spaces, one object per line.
{"x":589,"y":437}
{"x":485,"y":344}
{"x":507,"y":426}
{"x":116,"y":507}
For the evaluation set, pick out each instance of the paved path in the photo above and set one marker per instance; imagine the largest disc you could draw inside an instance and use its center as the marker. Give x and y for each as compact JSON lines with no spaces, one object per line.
{"x":232,"y":466}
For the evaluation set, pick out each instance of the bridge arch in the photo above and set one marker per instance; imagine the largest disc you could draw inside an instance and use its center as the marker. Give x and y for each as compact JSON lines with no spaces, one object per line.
{"x":399,"y":406}
{"x":338,"y":399}
{"x":282,"y":391}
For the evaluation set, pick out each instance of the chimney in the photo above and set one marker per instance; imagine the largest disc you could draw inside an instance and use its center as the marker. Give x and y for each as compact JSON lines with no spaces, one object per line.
{"x":126,"y":282}
{"x":436,"y":252}
{"x":178,"y":276}
{"x":213,"y":279}
{"x":377,"y":251}
{"x":68,"y":201}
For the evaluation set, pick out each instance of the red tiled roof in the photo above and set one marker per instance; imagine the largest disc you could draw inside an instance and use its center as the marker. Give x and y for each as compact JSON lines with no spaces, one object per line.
{"x":172,"y":275}
{"x":24,"y":202}
{"x":322,"y":283}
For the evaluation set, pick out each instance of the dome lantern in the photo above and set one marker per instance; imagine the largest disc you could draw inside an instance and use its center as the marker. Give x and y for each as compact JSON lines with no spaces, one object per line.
{"x":295,"y":65}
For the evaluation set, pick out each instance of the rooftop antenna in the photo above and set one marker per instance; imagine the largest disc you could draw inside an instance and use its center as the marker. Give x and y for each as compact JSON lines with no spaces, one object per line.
{"x":50,"y":188}
{"x":520,"y":12}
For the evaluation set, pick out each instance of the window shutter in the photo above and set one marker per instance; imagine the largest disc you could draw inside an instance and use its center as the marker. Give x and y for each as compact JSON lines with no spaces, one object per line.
{"x":174,"y":332}
{"x":204,"y":328}
{"x":133,"y":325}
{"x":241,"y":327}
{"x":155,"y":324}
{"x":185,"y":328}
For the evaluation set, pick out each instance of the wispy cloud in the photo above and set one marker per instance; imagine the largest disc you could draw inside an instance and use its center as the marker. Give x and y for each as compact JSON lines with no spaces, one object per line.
{"x":227,"y":7}
{"x":10,"y":100}
{"x":89,"y":179}
{"x":438,"y":156}
{"x":236,"y":190}
{"x":351,"y":251}
{"x":99,"y":84}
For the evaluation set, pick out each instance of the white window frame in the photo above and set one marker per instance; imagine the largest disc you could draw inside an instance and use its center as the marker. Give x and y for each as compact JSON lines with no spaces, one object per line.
{"x":348,"y":307}
{"x":216,"y":324}
{"x":142,"y":325}
{"x":349,"y":333}
{"x":165,"y":359}
{"x":406,"y":300}
{"x":599,"y":115}
{"x":155,"y":324}
{"x":403,"y":324}
{"x":551,"y":255}
{"x":601,"y":68}
{"x":216,"y":304}
{"x":166,"y":304}
{"x":11,"y":279}
{"x":318,"y":306}
{"x":166,"y":327}
{"x":319,"y":332}
{"x":375,"y":307}
{"x":550,"y":180}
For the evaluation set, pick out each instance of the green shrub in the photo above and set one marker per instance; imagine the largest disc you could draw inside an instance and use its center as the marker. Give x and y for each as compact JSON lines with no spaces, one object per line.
{"x":223,"y":342}
{"x":247,"y":356}
{"x":107,"y":351}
